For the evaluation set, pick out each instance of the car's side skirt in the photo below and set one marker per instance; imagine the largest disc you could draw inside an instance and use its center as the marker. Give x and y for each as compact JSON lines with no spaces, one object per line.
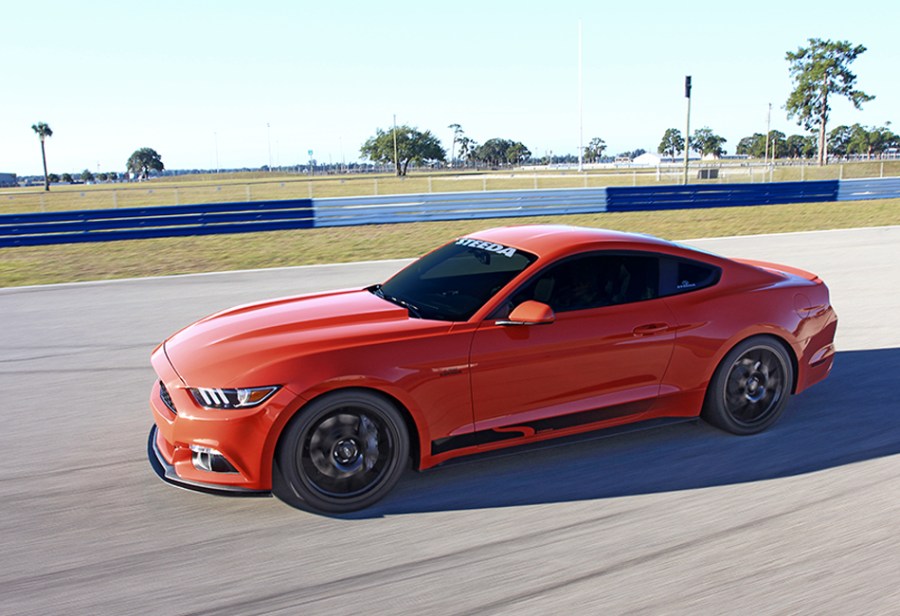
{"x":540,"y":426}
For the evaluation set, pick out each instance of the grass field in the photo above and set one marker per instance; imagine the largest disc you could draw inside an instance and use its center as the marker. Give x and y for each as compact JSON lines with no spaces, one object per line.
{"x":154,"y":257}
{"x":239,"y":187}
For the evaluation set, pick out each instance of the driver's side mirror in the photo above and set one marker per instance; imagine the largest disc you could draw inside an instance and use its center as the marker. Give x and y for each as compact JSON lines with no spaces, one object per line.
{"x":530,"y":313}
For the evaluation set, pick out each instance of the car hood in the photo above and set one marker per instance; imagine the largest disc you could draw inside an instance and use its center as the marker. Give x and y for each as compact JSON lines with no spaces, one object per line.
{"x":249,"y":345}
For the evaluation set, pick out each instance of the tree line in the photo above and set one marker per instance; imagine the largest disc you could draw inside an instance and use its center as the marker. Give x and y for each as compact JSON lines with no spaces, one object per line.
{"x":402,"y":146}
{"x":841,"y":142}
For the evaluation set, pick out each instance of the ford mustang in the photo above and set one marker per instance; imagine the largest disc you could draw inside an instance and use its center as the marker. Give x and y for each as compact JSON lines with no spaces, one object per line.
{"x":497,"y":339}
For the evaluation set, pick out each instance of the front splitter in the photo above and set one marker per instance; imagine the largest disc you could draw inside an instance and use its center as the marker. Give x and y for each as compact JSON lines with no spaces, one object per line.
{"x":166,"y":472}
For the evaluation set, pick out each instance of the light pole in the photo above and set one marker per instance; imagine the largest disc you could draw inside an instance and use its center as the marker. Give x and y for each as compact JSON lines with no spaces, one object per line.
{"x":580,"y":104}
{"x":396,"y":164}
{"x":768,"y":130}
{"x":269,"y":135}
{"x":452,"y":141}
{"x":687,"y":129}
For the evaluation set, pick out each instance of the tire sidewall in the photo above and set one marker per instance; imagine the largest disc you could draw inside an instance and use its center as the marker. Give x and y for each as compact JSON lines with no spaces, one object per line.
{"x":297,"y":490}
{"x":715,"y":408}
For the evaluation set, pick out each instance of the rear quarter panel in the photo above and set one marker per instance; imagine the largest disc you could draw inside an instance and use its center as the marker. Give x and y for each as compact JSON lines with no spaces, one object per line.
{"x":746,"y":302}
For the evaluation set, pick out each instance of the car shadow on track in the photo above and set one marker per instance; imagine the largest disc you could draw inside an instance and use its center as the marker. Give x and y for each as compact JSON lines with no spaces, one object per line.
{"x":852,"y":416}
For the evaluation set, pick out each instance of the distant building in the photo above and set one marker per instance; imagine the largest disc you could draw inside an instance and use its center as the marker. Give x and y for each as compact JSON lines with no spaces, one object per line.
{"x":654,"y":160}
{"x":8,"y":179}
{"x":648,"y":158}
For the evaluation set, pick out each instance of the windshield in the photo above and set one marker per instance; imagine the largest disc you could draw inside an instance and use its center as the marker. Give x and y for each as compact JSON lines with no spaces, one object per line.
{"x":454,"y":281}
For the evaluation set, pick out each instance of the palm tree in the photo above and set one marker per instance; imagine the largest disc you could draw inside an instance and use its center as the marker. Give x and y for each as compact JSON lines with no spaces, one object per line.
{"x":457,"y":133}
{"x":43,"y":131}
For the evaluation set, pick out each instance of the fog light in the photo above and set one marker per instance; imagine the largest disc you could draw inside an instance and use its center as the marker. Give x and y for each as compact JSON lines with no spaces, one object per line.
{"x":210,"y":460}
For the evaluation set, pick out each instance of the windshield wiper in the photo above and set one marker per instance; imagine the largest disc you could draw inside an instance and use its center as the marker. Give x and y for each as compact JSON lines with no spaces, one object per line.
{"x":413,"y":310}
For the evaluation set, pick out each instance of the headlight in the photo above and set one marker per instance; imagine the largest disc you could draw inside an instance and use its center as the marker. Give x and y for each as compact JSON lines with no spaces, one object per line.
{"x":242,"y":398}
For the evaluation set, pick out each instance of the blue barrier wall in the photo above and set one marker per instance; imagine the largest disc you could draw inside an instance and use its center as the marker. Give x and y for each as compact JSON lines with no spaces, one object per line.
{"x":457,"y":206}
{"x":146,"y":222}
{"x":216,"y":218}
{"x":868,"y":188}
{"x":641,"y":198}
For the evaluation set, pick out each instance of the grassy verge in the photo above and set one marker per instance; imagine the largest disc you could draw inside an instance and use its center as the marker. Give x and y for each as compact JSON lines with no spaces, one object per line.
{"x":156,"y":257}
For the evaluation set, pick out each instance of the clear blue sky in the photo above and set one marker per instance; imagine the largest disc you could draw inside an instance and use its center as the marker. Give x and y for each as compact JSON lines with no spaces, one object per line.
{"x":190,"y":78}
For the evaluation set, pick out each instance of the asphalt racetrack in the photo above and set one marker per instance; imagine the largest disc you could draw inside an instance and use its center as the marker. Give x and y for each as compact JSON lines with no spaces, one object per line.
{"x":802,"y":519}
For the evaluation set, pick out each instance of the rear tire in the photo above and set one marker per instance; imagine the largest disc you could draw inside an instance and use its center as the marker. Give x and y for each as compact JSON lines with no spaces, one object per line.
{"x":341,"y":453}
{"x":750,"y":388}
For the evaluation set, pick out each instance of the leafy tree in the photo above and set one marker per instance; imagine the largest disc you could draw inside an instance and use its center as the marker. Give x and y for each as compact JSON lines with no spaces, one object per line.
{"x":143,"y":161}
{"x":466,"y":147}
{"x":800,"y":146}
{"x":560,"y":159}
{"x":43,"y":131}
{"x":493,"y":151}
{"x":67,"y":178}
{"x":53,"y":178}
{"x":869,"y":142}
{"x":885,"y":139}
{"x":87,"y":176}
{"x":777,"y":144}
{"x":820,"y":71}
{"x":672,"y":143}
{"x":496,"y":152}
{"x":860,"y":141}
{"x":753,"y":146}
{"x":838,"y":139}
{"x":102,"y":177}
{"x":517,"y":153}
{"x":706,"y":142}
{"x":594,"y":150}
{"x":413,"y":146}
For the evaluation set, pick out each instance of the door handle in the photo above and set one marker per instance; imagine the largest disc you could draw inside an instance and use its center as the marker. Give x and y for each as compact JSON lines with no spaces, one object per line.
{"x":650,"y":329}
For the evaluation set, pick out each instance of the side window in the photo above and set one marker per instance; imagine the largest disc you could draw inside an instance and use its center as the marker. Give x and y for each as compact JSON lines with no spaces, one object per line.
{"x":593,"y":281}
{"x":682,"y":276}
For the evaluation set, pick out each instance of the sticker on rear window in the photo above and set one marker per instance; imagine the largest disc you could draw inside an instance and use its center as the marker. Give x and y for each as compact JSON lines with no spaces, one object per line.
{"x":499,"y":249}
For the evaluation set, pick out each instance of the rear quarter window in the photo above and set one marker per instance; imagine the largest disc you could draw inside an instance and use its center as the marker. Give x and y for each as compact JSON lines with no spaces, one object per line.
{"x":683,"y":276}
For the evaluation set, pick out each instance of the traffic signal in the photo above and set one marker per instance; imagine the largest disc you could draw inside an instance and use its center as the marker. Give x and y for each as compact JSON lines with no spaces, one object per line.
{"x":687,"y":86}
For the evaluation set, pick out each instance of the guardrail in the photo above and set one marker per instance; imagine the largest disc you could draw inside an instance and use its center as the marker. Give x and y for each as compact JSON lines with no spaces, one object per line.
{"x":146,"y":222}
{"x":644,"y":198}
{"x":206,"y":219}
{"x":457,"y":206}
{"x":874,"y":188}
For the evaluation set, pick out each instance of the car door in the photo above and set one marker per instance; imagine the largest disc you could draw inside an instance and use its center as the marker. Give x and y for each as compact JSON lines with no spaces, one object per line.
{"x":602,"y":357}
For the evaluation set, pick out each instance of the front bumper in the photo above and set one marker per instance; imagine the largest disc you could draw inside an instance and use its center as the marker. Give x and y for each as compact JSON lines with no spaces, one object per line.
{"x":166,"y":472}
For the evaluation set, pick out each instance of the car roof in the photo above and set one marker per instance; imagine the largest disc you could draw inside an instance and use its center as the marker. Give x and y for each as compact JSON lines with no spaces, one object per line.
{"x":549,"y":240}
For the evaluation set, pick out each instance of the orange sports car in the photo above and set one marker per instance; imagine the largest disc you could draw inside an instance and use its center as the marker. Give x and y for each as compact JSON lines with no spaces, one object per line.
{"x":500,"y":338}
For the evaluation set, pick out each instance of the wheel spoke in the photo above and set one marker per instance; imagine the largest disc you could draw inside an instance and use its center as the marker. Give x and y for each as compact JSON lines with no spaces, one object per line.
{"x":754,"y":386}
{"x":346,"y":453}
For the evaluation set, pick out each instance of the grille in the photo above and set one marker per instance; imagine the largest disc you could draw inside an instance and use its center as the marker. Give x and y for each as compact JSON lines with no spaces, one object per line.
{"x":166,"y":398}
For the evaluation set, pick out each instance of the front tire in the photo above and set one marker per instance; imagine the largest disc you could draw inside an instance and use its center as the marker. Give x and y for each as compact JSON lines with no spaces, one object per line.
{"x":750,"y":388}
{"x":341,"y":453}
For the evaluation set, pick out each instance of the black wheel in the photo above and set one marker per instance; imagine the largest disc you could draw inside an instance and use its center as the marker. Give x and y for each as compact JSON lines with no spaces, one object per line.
{"x":748,"y":392}
{"x":341,"y":453}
